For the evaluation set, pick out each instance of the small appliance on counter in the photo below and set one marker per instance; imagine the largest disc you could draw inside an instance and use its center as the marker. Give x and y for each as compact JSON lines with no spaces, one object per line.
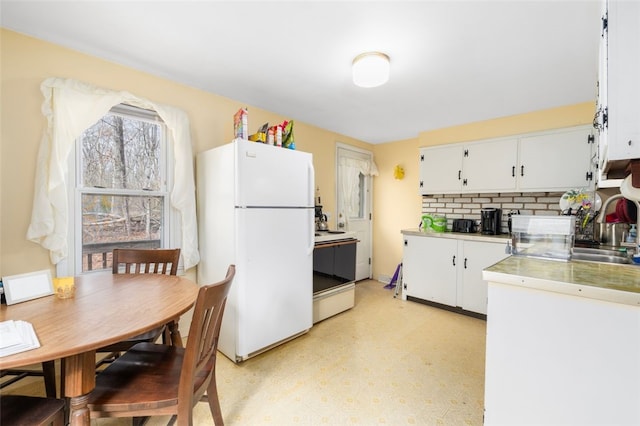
{"x":321,"y":223}
{"x":549,"y":237}
{"x":320,"y":219}
{"x":463,"y":225}
{"x":490,"y":221}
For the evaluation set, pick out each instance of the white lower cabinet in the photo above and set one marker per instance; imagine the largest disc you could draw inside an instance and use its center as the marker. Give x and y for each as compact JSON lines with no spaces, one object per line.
{"x":448,"y":271}
{"x":476,"y":256}
{"x":429,"y":269}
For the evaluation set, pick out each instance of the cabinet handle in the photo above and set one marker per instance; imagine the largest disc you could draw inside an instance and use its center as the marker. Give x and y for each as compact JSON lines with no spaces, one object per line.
{"x":454,"y":260}
{"x":406,"y":242}
{"x":513,"y":171}
{"x":465,"y":263}
{"x":459,"y":174}
{"x":521,"y":170}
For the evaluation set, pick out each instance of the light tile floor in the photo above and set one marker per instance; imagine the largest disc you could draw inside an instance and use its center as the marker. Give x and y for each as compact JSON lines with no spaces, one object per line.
{"x":384,"y":362}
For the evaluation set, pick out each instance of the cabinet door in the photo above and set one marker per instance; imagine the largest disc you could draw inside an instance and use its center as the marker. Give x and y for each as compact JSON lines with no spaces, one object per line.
{"x":556,"y":161}
{"x":489,"y":166}
{"x":429,"y":269}
{"x":623,"y":84}
{"x":476,"y":256}
{"x":441,"y":169}
{"x":414,"y":271}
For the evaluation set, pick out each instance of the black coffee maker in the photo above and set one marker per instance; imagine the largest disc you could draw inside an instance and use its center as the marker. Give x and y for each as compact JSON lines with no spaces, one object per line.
{"x":490,"y":221}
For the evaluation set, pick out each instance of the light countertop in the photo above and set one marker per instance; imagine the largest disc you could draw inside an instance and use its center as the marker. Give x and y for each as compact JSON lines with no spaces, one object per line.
{"x":472,"y":236}
{"x":322,"y":237}
{"x":601,"y":281}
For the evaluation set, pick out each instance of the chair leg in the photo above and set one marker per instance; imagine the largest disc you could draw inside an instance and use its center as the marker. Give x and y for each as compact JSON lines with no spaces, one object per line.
{"x":107,"y":359}
{"x":214,"y":403}
{"x":49,"y":374}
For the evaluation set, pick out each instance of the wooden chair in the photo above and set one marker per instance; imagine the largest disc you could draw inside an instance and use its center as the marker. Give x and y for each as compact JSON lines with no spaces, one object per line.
{"x":19,"y":410}
{"x":144,"y":261}
{"x":159,"y":380}
{"x":48,"y":372}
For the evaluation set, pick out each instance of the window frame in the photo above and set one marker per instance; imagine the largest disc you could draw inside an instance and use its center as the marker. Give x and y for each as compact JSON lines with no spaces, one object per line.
{"x":171,"y":235}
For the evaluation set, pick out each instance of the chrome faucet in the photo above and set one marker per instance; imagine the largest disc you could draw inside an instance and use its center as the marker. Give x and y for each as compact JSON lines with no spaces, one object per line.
{"x":601,"y":217}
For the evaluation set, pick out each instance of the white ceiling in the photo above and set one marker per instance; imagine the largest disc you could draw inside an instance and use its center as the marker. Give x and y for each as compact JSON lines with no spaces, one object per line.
{"x":452,"y":62}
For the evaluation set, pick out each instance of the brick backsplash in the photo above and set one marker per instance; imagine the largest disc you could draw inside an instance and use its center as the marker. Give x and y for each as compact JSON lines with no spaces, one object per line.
{"x":467,"y":206}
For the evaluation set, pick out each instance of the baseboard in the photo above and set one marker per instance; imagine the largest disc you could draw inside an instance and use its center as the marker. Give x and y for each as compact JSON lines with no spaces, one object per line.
{"x":455,"y":309}
{"x":385,"y":279}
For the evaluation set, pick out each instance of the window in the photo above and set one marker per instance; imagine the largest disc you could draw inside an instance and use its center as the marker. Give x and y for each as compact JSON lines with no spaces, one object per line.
{"x":122,"y":198}
{"x":70,"y":108}
{"x":356,"y":209}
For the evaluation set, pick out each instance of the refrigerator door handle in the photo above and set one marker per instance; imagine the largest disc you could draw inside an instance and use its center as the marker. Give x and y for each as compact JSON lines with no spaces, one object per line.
{"x":311,"y":183}
{"x":312,"y":233}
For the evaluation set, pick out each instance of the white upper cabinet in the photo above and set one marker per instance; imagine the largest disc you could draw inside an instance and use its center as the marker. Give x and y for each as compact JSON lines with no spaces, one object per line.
{"x":555,"y":160}
{"x":619,"y":85}
{"x":441,"y":169}
{"x":489,"y":166}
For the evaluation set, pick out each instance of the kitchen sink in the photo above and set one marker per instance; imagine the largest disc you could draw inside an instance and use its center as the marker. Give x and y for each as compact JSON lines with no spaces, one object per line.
{"x":600,"y":255}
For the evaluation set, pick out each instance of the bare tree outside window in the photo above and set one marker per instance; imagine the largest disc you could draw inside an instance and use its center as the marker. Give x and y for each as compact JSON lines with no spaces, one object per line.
{"x":122,"y":187}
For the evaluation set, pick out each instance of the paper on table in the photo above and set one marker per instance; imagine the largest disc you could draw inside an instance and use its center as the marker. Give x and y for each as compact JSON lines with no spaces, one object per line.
{"x":17,"y":336}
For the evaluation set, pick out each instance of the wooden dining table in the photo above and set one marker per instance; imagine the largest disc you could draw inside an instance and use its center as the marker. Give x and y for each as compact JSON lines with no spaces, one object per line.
{"x":106,"y":308}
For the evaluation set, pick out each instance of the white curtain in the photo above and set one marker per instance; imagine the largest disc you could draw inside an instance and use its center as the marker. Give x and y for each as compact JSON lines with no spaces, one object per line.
{"x":350,"y":170}
{"x":70,"y":107}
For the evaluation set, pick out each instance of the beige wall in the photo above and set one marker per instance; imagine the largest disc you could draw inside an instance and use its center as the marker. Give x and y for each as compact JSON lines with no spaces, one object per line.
{"x":26,"y":62}
{"x":397,"y":203}
{"x":555,"y":118}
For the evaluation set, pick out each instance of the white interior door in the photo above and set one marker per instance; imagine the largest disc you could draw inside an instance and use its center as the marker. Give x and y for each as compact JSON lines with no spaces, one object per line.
{"x":354,"y":192}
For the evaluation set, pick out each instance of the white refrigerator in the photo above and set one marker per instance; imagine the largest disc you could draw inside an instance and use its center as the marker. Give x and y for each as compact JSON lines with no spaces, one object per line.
{"x":256,"y":210}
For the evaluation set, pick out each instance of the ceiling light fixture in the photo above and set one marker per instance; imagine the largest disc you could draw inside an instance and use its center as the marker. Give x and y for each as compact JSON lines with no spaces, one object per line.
{"x":370,"y":69}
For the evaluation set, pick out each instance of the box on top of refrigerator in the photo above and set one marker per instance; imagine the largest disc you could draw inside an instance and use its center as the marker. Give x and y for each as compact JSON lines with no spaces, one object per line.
{"x":549,"y":237}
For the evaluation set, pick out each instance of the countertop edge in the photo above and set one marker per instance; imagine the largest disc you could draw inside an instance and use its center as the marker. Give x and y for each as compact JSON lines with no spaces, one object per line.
{"x":471,"y":236}
{"x":523,"y":279}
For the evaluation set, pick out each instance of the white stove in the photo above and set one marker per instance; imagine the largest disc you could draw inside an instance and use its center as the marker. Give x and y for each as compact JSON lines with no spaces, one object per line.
{"x":333,"y":286}
{"x":330,"y":236}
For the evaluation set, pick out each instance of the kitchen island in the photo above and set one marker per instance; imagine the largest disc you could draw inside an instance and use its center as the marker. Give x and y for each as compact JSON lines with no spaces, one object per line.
{"x":563,"y":343}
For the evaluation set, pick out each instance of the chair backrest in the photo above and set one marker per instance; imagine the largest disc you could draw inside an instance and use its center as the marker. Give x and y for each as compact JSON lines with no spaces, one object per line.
{"x":202,"y":343}
{"x":146,"y":261}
